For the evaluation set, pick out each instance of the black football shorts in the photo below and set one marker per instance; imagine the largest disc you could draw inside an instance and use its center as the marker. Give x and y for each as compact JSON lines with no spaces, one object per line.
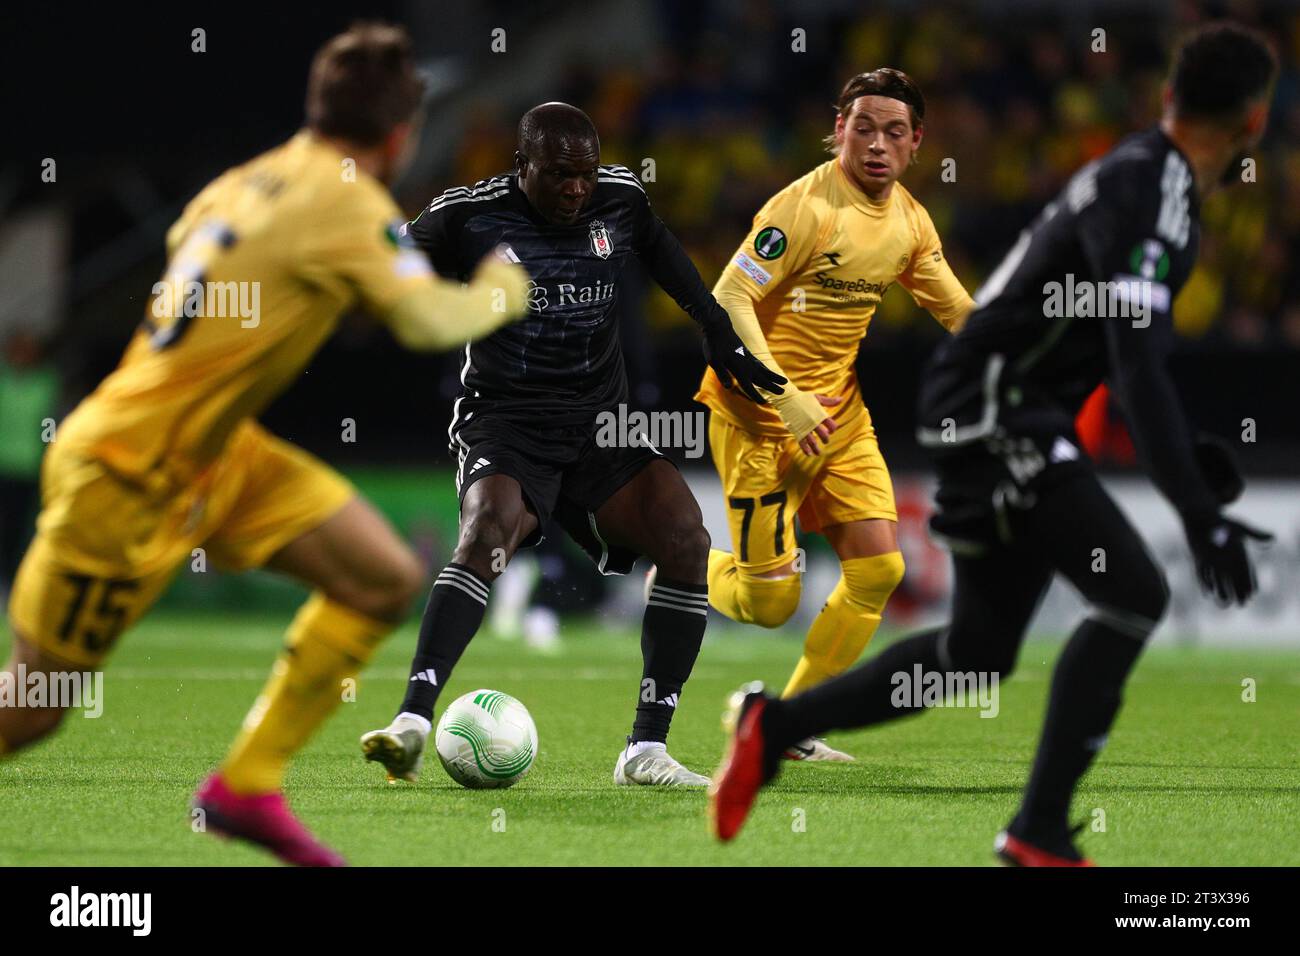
{"x":563,"y":472}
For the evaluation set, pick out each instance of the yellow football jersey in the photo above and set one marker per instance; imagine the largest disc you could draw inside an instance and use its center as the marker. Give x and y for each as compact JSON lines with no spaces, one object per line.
{"x":260,"y":266}
{"x":813,"y":268}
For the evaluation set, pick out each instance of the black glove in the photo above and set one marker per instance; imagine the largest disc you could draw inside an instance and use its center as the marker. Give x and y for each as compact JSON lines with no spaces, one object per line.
{"x":1222,"y":564}
{"x":1219,"y":468}
{"x":729,"y":359}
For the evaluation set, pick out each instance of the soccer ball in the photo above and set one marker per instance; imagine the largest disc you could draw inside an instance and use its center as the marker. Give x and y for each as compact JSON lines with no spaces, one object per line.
{"x":486,"y":739}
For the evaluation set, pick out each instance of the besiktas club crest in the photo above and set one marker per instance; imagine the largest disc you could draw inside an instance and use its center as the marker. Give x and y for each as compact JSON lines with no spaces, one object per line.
{"x":600,"y":243}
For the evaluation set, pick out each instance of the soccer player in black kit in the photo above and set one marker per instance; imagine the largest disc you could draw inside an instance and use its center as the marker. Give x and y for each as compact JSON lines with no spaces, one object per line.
{"x":524,"y":429}
{"x":1017,"y":500}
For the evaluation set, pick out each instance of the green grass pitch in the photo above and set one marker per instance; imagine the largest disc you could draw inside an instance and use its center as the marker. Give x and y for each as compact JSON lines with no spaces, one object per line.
{"x":1193,"y":775}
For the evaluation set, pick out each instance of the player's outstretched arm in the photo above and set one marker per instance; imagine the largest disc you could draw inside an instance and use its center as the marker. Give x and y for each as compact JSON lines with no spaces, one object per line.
{"x":725,"y":351}
{"x":360,"y":241}
{"x":442,"y":315}
{"x":734,"y":364}
{"x":1164,"y":441}
{"x":1125,"y":218}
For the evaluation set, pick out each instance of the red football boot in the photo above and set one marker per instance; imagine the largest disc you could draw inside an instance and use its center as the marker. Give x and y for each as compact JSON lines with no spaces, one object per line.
{"x":1014,"y":851}
{"x":746,"y":766}
{"x":264,"y":819}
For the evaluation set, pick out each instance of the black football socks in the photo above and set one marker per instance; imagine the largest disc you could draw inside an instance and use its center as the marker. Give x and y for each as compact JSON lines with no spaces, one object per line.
{"x":671,"y":633}
{"x":1087,"y":686}
{"x":455,"y":610}
{"x":857,"y":698}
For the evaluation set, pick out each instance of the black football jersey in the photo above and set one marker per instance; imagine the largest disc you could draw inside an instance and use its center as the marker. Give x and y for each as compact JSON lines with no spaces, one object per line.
{"x":561,"y":364}
{"x":1084,"y":296}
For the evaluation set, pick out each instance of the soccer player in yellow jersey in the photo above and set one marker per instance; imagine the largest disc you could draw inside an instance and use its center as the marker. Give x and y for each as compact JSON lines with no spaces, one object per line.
{"x":801,"y":291}
{"x":167,"y":456}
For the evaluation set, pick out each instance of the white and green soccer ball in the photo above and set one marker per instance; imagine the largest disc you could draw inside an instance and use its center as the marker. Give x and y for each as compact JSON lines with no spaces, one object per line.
{"x":486,"y":739}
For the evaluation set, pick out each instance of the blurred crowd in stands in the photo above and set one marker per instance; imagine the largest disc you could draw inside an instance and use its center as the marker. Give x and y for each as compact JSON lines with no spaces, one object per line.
{"x":726,"y":102}
{"x":1019,"y":96}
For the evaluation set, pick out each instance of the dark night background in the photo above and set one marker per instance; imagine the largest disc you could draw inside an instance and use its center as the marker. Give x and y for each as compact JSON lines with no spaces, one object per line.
{"x":138,"y":123}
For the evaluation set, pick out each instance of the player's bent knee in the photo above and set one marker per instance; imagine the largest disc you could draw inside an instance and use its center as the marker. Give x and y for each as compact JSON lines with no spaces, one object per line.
{"x":695,"y":543}
{"x":1137,"y":619}
{"x":682,"y":550}
{"x":478,"y":550}
{"x":1133,"y":602}
{"x":770,"y":602}
{"x":408,"y":581}
{"x":489,"y":531}
{"x":1155,"y":595}
{"x":488,"y":554}
{"x":871,"y":580}
{"x":402,"y":584}
{"x":384,"y":590}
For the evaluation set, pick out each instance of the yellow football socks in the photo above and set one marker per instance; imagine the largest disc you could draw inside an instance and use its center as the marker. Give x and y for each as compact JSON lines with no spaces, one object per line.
{"x":846,"y":624}
{"x":327,"y":645}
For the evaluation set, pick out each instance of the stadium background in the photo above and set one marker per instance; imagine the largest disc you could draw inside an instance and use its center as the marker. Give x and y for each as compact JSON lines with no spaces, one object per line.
{"x":715,"y":96}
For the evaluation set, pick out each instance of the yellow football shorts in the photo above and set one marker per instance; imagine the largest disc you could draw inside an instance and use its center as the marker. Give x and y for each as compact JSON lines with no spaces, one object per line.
{"x":767,"y":481}
{"x":106,"y":548}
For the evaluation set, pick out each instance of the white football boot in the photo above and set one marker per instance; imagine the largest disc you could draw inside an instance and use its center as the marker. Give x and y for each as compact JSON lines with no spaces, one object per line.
{"x":813,"y":749}
{"x":654,"y":767}
{"x":810,"y":748}
{"x":399,"y":747}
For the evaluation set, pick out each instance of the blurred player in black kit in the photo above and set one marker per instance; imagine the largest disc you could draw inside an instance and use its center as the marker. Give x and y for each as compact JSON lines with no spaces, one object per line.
{"x":525,"y":425}
{"x":1017,"y":500}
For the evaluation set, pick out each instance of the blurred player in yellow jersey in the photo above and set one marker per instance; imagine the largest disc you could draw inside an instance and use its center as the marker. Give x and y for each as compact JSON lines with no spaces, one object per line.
{"x":801,"y":291}
{"x":166,"y":455}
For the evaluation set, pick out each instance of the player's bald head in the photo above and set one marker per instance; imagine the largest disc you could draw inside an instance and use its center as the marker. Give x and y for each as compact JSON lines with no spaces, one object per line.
{"x":557,"y":160}
{"x":556,"y":127}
